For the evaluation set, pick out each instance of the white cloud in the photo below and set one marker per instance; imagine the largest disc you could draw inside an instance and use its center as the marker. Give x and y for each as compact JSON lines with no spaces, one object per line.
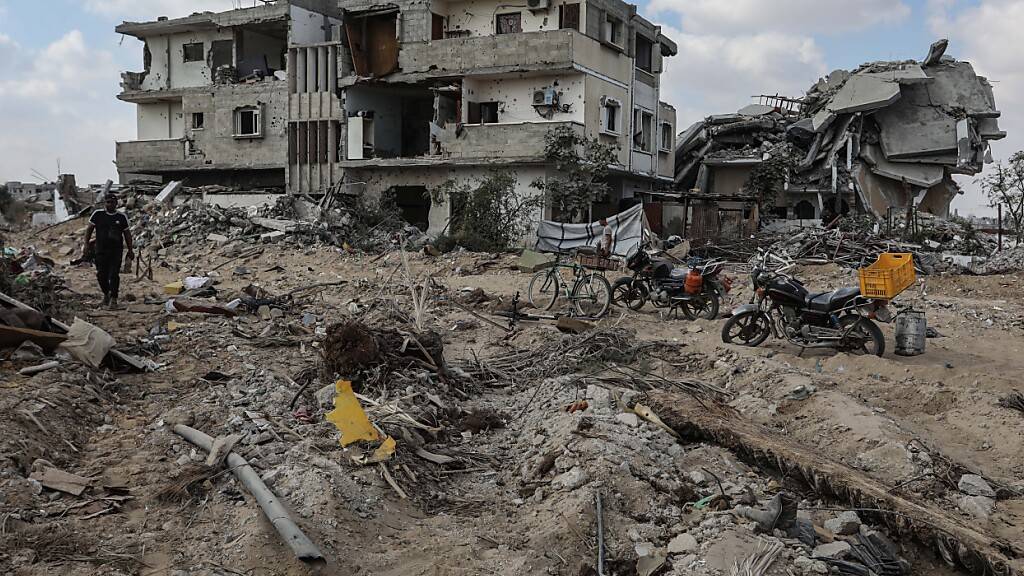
{"x":58,"y":102}
{"x":799,"y":17}
{"x":988,"y":35}
{"x":145,"y":10}
{"x":715,"y":74}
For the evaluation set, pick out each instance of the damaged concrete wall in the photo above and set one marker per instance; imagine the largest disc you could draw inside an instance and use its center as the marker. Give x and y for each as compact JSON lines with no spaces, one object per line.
{"x":217,"y":142}
{"x":515,"y":97}
{"x":309,"y":27}
{"x":478,"y":17}
{"x":666,"y":150}
{"x":380,"y":181}
{"x":154,"y":121}
{"x":190,"y":74}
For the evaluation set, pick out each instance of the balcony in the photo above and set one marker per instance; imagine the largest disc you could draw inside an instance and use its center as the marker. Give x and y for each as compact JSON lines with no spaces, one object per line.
{"x":151,"y":156}
{"x":552,"y":50}
{"x":491,"y":144}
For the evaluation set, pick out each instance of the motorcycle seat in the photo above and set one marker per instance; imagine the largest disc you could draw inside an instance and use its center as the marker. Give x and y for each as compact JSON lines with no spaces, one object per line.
{"x":831,"y":301}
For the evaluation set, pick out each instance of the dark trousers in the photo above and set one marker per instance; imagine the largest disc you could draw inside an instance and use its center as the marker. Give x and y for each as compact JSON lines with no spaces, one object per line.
{"x":108,"y":271}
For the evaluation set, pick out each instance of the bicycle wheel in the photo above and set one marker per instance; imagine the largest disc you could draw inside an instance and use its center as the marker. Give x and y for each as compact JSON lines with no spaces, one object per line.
{"x":592,"y":296}
{"x":545,"y":288}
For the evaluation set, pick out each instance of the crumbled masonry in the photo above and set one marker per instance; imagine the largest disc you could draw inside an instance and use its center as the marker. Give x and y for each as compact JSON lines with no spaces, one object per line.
{"x":895,"y":133}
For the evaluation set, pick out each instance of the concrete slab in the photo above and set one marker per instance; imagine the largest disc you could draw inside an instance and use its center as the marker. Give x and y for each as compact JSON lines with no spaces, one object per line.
{"x":863,"y":93}
{"x":955,"y":85}
{"x":908,"y":130}
{"x":922,"y":175}
{"x":822,"y":120}
{"x":988,"y":129}
{"x":755,"y":110}
{"x":169,"y":191}
{"x":906,"y":74}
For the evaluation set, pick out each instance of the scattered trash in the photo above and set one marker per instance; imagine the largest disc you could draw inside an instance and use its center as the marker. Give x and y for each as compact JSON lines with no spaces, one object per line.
{"x":87,"y":343}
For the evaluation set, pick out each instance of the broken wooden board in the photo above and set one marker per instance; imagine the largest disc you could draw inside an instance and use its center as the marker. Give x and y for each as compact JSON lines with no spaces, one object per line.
{"x":956,"y":542}
{"x":11,"y":337}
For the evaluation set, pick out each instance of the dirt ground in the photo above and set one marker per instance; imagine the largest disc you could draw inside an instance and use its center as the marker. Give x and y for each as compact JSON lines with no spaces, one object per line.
{"x":516,"y":494}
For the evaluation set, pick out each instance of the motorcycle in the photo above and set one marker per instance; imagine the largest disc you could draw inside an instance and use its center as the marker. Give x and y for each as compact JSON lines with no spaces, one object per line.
{"x":782,"y":306}
{"x":697,"y":290}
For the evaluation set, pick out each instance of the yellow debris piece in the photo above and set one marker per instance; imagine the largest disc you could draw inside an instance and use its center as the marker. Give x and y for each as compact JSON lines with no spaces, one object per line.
{"x":383,"y":453}
{"x":174,"y":288}
{"x":348,"y":416}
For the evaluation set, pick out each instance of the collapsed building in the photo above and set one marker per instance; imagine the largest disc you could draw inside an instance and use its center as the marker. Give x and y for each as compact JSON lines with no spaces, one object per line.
{"x":887,"y":136}
{"x":375,"y":98}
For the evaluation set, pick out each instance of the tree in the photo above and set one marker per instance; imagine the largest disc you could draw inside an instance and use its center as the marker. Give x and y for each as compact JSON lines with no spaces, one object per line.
{"x":5,"y":199}
{"x":1004,"y":185}
{"x":487,"y":215}
{"x":581,"y":166}
{"x":767,"y":181}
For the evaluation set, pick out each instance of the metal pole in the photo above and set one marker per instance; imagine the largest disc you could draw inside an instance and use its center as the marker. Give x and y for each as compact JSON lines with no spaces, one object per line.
{"x":1000,"y":223}
{"x":600,"y":535}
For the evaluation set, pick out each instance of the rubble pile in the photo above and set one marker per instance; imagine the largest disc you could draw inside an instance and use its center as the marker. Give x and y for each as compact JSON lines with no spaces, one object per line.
{"x":30,"y":277}
{"x":894,"y":131}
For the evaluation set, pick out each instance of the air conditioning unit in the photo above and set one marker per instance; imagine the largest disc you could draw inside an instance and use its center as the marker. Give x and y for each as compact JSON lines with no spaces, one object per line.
{"x":538,"y":4}
{"x":546,"y":97}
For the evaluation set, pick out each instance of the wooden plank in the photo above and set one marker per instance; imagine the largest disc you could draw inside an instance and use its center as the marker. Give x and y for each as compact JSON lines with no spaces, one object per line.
{"x":11,"y":337}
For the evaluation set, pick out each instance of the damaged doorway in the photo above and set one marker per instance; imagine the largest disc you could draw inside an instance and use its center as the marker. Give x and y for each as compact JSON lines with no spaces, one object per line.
{"x":413,"y":204}
{"x":373,"y":41}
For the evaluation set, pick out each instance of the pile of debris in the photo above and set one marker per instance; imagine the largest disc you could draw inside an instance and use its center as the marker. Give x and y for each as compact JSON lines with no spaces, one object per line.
{"x":938,"y":245}
{"x":886,"y":135}
{"x":297,"y":219}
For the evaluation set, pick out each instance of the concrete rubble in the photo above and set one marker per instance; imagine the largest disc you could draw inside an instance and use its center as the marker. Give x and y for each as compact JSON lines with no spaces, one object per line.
{"x":895,"y":133}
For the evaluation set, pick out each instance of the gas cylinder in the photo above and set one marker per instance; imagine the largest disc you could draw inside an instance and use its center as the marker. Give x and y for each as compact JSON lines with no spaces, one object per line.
{"x":694,"y":282}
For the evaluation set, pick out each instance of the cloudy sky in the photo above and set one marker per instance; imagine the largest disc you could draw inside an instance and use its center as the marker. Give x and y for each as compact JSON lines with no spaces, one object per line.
{"x":60,"y":63}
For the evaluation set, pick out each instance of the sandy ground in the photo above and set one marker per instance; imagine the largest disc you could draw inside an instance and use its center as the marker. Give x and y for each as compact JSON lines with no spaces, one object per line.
{"x":522,"y":499}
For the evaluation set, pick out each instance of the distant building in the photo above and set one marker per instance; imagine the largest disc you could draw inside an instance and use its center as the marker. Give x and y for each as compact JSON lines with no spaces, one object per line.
{"x":30,"y":192}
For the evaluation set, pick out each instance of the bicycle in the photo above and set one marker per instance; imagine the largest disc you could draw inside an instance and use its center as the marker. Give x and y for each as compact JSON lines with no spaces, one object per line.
{"x":591,"y":294}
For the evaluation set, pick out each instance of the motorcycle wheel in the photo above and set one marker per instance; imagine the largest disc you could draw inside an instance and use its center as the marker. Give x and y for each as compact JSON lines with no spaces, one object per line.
{"x":629,"y":293}
{"x":871,"y":341}
{"x":747,"y":329}
{"x":706,"y":307}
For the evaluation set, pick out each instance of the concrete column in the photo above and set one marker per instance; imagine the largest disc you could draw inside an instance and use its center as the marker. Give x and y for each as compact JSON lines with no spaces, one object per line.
{"x":332,"y":143}
{"x":321,"y":55}
{"x":311,"y":70}
{"x":291,"y":71}
{"x":300,"y":69}
{"x":332,"y":69}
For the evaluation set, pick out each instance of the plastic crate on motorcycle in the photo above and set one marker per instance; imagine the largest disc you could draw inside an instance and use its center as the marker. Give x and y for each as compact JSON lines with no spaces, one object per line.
{"x":891,"y":274}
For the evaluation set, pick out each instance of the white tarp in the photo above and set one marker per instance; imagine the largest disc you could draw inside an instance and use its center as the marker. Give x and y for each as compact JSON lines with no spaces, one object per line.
{"x":629,"y":228}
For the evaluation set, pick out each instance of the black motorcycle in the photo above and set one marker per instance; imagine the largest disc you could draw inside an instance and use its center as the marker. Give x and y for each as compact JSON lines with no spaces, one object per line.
{"x":842,"y":320}
{"x":696,"y":290}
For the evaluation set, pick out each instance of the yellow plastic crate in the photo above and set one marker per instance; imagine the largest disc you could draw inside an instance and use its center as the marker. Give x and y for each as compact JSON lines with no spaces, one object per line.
{"x":891,"y":274}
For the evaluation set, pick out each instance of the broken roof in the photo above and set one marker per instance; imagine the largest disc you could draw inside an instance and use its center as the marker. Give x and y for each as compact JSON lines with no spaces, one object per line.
{"x":206,"y":21}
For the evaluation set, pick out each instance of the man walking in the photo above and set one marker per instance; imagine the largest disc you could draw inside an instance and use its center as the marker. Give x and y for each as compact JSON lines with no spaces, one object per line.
{"x":112,"y":235}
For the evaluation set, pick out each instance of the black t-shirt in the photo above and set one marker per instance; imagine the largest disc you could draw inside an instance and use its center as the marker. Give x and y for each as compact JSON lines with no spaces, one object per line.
{"x":109,"y":230}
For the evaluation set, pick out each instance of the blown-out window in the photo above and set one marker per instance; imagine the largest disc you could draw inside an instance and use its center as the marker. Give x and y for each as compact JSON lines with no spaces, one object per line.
{"x":248,"y":123}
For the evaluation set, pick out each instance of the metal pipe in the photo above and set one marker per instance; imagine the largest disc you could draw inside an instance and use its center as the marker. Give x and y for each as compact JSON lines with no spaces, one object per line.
{"x":301,"y":545}
{"x":600,"y":535}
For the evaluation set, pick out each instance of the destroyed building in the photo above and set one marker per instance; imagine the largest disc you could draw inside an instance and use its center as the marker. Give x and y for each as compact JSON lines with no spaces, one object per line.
{"x":399,"y":97}
{"x":212,"y":100}
{"x":887,"y":136}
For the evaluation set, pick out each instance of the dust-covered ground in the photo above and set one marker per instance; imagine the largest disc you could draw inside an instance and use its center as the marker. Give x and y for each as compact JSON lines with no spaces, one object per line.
{"x":493,"y":472}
